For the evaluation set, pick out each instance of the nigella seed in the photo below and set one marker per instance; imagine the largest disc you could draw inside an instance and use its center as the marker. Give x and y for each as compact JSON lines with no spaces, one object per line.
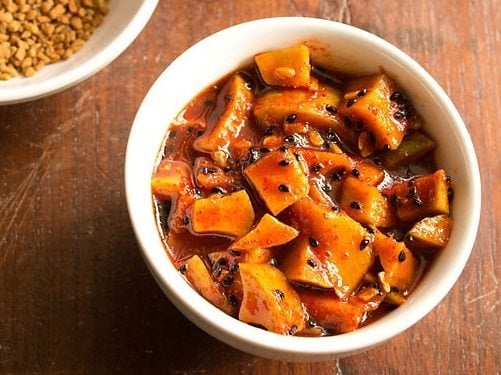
{"x":273,"y":262}
{"x":297,"y":156}
{"x":222,"y":261}
{"x":284,"y":163}
{"x":362,"y":92}
{"x":232,"y":299}
{"x":186,"y":220}
{"x":398,"y":97}
{"x":338,"y":175}
{"x":386,"y":147}
{"x":399,"y":115}
{"x":355,"y":172}
{"x":364,"y":243}
{"x":279,"y":295}
{"x":291,"y":118}
{"x":218,"y":190}
{"x":198,"y":191}
{"x":331,"y":135}
{"x":311,"y":263}
{"x":217,"y":270}
{"x":350,"y":102}
{"x":355,"y":205}
{"x":227,"y":98}
{"x":183,"y":268}
{"x":228,"y":280}
{"x":208,"y":170}
{"x":448,"y":178}
{"x":335,"y":208}
{"x":331,"y":109}
{"x":283,"y":148}
{"x":410,"y":238}
{"x":283,"y":188}
{"x":313,"y":242}
{"x":234,"y":267}
{"x":269,"y":131}
{"x":293,"y":330}
{"x":378,"y":162}
{"x":264,"y":150}
{"x":317,"y":167}
{"x":172,"y":134}
{"x":402,"y":256}
{"x":418,"y":202}
{"x":290,"y":139}
{"x":450,"y":193}
{"x":369,"y":229}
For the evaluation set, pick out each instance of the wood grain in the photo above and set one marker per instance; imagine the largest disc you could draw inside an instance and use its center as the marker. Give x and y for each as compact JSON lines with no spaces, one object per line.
{"x":75,"y":295}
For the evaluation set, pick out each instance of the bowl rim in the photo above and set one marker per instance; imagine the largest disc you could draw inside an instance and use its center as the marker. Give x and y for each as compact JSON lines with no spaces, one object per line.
{"x":261,"y":342}
{"x":94,"y":64}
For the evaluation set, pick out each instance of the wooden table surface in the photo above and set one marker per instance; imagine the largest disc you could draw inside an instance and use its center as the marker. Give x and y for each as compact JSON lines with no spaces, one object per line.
{"x":75,"y":294}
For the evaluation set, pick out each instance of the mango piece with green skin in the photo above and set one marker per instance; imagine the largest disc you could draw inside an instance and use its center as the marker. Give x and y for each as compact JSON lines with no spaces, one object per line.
{"x":414,"y":146}
{"x":430,"y":233}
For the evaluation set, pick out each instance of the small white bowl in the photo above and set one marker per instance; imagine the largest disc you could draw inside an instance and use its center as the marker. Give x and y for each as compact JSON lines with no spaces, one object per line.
{"x":120,"y":27}
{"x":348,"y":49}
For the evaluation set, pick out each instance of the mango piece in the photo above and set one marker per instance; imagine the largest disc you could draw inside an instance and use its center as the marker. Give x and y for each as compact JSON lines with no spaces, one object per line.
{"x":365,"y":203}
{"x":275,"y":107}
{"x":367,"y":99}
{"x":278,"y":179}
{"x":328,"y":310}
{"x":327,"y":163}
{"x":401,"y":268}
{"x":413,"y":147}
{"x":285,"y":67}
{"x":198,"y":276}
{"x":230,"y":215}
{"x":342,"y":246}
{"x":301,"y":265}
{"x":239,"y":100}
{"x":269,"y":300}
{"x":421,"y":197}
{"x":170,"y":179}
{"x":209,"y":176}
{"x":430,"y":233}
{"x":268,"y":232}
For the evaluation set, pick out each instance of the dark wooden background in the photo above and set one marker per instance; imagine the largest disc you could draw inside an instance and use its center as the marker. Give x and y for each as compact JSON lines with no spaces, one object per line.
{"x":75,"y":294}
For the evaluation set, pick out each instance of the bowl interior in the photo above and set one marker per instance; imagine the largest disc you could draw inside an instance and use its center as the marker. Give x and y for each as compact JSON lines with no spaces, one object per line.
{"x":121,"y":25}
{"x":337,"y":46}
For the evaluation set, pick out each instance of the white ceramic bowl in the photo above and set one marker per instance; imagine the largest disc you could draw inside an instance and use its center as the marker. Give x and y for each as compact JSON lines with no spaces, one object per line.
{"x":348,"y":49}
{"x":121,"y":26}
